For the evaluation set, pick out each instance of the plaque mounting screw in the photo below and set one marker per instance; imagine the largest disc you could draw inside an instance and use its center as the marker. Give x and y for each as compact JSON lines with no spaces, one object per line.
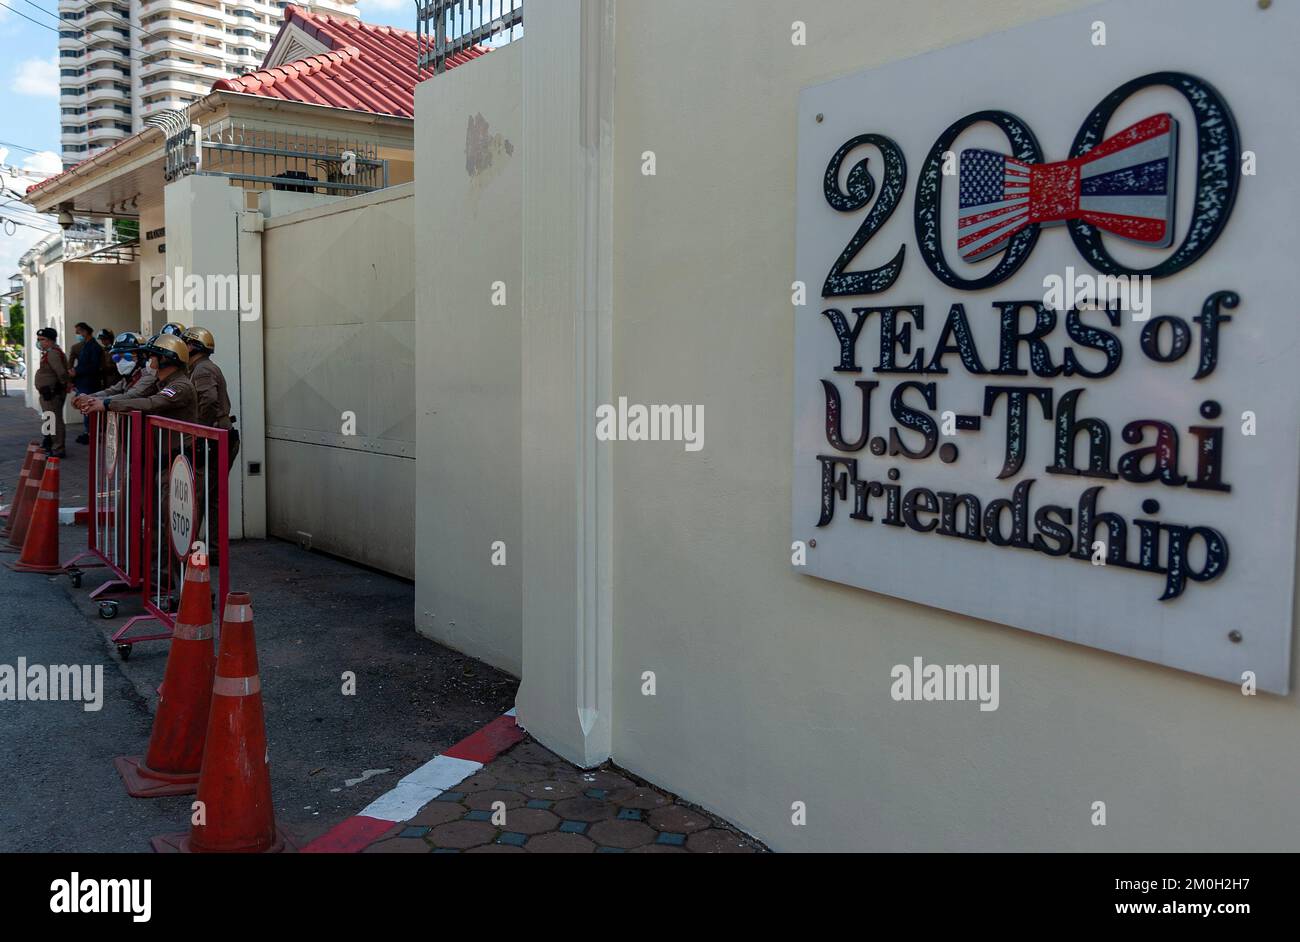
{"x":1265,"y":4}
{"x":1234,"y":636}
{"x":821,"y":118}
{"x":812,"y":544}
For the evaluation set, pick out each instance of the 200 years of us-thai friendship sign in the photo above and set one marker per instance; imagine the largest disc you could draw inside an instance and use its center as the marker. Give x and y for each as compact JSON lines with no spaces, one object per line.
{"x":1048,"y":369}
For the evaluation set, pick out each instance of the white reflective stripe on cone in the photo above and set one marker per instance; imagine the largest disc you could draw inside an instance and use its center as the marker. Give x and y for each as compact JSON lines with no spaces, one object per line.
{"x":192,"y":632}
{"x":237,"y":686}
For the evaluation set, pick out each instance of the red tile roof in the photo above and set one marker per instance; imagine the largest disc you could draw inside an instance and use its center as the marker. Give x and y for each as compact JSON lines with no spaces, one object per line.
{"x":368,"y":68}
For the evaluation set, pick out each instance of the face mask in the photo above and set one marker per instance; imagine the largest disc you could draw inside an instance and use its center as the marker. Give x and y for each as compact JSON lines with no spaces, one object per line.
{"x":124,"y":367}
{"x":150,"y":369}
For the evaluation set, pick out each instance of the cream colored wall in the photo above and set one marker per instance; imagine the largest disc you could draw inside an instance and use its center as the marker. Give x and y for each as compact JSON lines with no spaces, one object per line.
{"x":339,"y":333}
{"x":102,"y":296}
{"x":205,"y":238}
{"x":152,"y":262}
{"x":773,"y":688}
{"x":467,"y":379}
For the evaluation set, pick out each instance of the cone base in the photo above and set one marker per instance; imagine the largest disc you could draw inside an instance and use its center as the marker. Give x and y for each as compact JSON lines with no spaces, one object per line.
{"x":140,"y":783}
{"x":180,"y":844}
{"x":28,"y":567}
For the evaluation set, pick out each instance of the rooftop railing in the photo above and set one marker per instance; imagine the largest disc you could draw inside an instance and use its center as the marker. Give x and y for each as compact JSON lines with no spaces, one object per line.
{"x":272,"y":158}
{"x":446,"y":28}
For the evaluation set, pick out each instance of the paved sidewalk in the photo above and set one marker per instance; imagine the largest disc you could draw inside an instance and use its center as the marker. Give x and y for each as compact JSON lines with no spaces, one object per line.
{"x":317,"y":618}
{"x":551,"y":806}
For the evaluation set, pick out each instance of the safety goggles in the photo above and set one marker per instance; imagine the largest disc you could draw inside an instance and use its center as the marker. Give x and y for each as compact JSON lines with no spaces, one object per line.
{"x":119,"y":356}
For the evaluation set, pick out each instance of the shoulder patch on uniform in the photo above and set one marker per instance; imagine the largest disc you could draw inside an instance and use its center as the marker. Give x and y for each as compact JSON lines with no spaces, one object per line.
{"x":169,"y":392}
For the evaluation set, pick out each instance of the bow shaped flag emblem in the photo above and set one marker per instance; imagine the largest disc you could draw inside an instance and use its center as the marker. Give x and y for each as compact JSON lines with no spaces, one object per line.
{"x":1124,"y":185}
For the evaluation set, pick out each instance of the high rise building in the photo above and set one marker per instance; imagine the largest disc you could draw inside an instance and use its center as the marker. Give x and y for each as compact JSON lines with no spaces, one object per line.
{"x":121,"y":61}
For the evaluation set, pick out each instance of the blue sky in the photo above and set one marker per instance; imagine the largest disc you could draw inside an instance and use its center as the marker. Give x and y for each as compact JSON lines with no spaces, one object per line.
{"x":29,"y":101}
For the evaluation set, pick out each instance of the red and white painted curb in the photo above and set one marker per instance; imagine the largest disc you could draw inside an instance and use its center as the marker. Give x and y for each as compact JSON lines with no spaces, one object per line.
{"x":441,"y":773}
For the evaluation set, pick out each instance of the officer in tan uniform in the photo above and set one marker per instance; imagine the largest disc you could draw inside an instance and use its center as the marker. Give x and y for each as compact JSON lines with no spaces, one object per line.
{"x":51,"y":382}
{"x":174,"y":398}
{"x":214,"y":410}
{"x":210,"y":385}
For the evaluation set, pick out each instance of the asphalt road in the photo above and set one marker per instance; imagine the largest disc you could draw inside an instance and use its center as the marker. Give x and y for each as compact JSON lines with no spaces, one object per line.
{"x":315,"y":617}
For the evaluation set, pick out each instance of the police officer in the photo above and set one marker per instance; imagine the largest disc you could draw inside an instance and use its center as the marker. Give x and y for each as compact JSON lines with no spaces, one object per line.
{"x":214,"y":410}
{"x":134,"y":376}
{"x":52,"y":386}
{"x":174,"y":397}
{"x":108,"y":373}
{"x":86,"y":360}
{"x":210,"y":385}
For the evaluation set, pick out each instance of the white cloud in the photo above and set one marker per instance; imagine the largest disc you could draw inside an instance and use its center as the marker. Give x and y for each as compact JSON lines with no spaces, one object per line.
{"x":380,"y":5}
{"x":37,"y":77}
{"x":42,"y":162}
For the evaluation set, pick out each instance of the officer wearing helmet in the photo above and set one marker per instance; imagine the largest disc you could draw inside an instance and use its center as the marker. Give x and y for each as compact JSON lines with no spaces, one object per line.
{"x":174,"y":328}
{"x":210,"y":386}
{"x":129,"y":366}
{"x":174,"y":397}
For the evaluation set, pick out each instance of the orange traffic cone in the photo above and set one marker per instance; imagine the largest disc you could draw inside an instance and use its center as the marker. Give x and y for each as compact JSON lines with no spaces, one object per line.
{"x":41,"y":544}
{"x":171,"y":766}
{"x":234,"y":812}
{"x":24,"y":502}
{"x":9,"y":514}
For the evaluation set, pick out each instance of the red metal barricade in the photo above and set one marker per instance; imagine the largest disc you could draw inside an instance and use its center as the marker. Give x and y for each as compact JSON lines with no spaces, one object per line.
{"x":186,"y":496}
{"x":115,"y":530}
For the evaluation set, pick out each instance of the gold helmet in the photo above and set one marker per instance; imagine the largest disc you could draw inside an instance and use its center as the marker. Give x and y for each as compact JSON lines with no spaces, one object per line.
{"x":200,"y":337}
{"x":175,"y":328}
{"x":168,"y":349}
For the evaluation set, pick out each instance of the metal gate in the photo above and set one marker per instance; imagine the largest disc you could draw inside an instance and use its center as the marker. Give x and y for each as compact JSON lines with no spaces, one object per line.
{"x":186,"y":496}
{"x":114,"y":534}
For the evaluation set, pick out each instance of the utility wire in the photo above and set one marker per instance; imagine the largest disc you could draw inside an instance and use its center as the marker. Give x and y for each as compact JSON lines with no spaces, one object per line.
{"x":18,"y":147}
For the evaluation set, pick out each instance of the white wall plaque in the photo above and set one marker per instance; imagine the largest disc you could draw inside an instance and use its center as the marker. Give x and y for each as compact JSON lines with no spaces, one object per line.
{"x":1023,"y":166}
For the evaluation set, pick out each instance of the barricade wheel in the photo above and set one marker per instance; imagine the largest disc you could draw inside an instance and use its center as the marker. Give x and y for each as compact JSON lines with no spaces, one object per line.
{"x":108,"y":610}
{"x":124,"y":651}
{"x":75,"y":575}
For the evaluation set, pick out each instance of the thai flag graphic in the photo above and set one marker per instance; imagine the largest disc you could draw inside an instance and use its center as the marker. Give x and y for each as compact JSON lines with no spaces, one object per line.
{"x":1124,"y":185}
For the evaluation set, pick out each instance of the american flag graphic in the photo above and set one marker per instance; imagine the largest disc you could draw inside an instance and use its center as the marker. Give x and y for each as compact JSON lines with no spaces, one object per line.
{"x":1124,"y":185}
